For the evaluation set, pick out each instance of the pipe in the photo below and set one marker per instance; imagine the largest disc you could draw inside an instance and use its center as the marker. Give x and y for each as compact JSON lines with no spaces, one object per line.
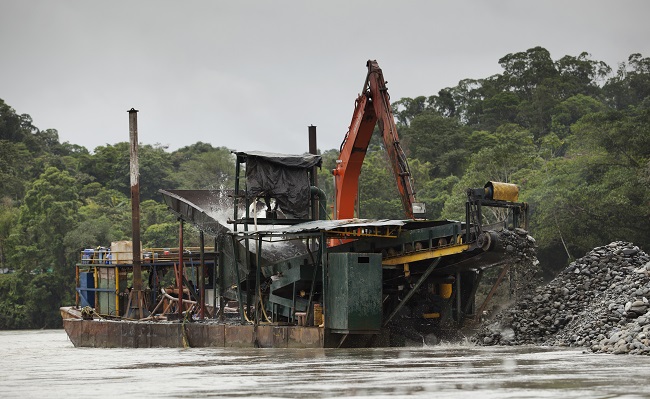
{"x":179,"y":283}
{"x":258,"y":289}
{"x":312,"y":140}
{"x":459,"y":311}
{"x":502,"y":274}
{"x":240,"y":304}
{"x":202,"y":276}
{"x":315,"y":204}
{"x":322,"y":201}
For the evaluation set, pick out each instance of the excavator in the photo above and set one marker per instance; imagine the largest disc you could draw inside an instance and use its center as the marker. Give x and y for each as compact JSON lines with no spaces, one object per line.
{"x":441,"y":261}
{"x":372,"y":108}
{"x":365,"y":282}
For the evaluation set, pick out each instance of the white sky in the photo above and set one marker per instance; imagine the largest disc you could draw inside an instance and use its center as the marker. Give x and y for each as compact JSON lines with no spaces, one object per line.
{"x":252,"y":75}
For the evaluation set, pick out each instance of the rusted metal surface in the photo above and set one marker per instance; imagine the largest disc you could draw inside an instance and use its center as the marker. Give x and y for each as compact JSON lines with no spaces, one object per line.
{"x":135,"y":198}
{"x":263,"y":337}
{"x":201,"y":335}
{"x":280,"y":337}
{"x":139,"y":334}
{"x":313,"y":149}
{"x":202,"y":277}
{"x":305,"y":337}
{"x":239,"y":336}
{"x":179,"y":273}
{"x":499,"y":191}
{"x":480,"y":310}
{"x":136,"y":307}
{"x":215,"y":336}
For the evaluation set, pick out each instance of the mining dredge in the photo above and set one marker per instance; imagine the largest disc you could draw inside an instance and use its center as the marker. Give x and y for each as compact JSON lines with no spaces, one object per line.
{"x":289,"y":270}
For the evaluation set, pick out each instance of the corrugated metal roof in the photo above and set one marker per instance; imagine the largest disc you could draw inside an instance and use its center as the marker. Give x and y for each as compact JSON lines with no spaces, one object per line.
{"x":328,"y":225}
{"x":181,"y":203}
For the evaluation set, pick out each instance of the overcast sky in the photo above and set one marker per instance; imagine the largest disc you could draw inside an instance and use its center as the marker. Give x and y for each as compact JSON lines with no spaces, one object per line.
{"x":252,"y":75}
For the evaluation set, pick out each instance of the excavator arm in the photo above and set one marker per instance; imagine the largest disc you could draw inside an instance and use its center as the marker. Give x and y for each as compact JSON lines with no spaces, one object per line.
{"x":372,"y":107}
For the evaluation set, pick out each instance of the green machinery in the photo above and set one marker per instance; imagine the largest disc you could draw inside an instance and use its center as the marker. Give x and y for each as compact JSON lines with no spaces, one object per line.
{"x":366,"y":279}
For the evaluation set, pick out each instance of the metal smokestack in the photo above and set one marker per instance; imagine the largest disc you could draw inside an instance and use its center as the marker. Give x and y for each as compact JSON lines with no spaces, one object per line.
{"x":313,"y":149}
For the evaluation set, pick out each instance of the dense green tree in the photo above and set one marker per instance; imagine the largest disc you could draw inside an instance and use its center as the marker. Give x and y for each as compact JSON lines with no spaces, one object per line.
{"x":525,"y":71}
{"x":433,"y":192}
{"x":406,"y":109}
{"x":12,"y":296}
{"x":212,"y":168}
{"x":509,"y":159}
{"x":110,"y":167}
{"x":379,"y":198}
{"x":438,"y":140}
{"x":47,"y":213}
{"x":8,"y":217}
{"x":15,"y":128}
{"x":443,"y":103}
{"x":580,"y":75}
{"x":570,"y":111}
{"x":186,"y":153}
{"x":326,"y":179}
{"x":631,"y":85}
{"x":161,"y":235}
{"x":468,"y":98}
{"x":38,"y":251}
{"x":15,"y":165}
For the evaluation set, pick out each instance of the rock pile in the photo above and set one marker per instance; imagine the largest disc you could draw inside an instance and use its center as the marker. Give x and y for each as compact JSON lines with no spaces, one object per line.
{"x":599,"y":301}
{"x":520,"y":246}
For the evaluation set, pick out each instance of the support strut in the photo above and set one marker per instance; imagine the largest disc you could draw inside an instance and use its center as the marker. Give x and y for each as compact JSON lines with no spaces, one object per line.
{"x":417,"y":285}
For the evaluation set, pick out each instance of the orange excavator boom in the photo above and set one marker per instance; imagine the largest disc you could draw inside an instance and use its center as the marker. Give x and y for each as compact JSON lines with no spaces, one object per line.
{"x":372,"y":107}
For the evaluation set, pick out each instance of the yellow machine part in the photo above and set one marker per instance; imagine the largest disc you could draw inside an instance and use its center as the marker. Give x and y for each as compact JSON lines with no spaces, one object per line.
{"x":445,"y":290}
{"x":430,"y":315}
{"x":502,"y":191}
{"x":318,"y":314}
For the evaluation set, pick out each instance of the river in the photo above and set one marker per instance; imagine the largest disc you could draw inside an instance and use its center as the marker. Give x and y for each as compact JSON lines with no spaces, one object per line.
{"x":43,"y":363}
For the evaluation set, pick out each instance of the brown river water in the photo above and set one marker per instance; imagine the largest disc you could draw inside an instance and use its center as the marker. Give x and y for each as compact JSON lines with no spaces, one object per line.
{"x":45,"y":364}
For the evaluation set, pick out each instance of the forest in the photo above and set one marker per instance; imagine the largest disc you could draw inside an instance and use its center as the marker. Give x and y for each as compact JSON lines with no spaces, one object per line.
{"x":573,"y":133}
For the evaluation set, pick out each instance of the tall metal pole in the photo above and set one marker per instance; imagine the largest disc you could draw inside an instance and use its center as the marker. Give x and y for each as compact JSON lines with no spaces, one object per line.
{"x":135,"y":214}
{"x":315,"y":202}
{"x":220,"y":273}
{"x":179,"y":282}
{"x":202,"y":277}
{"x":313,"y":149}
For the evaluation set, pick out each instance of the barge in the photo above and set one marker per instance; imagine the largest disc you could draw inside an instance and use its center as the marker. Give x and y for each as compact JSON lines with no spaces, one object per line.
{"x":271,"y":281}
{"x":281,"y":273}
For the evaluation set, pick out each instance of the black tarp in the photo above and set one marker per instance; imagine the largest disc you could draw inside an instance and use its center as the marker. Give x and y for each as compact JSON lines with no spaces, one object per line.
{"x":283,"y":177}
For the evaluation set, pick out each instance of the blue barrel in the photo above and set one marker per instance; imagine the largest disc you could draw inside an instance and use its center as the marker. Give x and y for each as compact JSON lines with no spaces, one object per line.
{"x":87,"y":289}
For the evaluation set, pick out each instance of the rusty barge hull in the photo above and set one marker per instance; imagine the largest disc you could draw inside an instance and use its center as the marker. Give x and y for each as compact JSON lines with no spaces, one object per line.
{"x":137,"y":334}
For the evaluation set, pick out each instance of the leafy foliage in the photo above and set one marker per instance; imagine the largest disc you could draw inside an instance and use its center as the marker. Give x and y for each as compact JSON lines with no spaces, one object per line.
{"x":571,"y":133}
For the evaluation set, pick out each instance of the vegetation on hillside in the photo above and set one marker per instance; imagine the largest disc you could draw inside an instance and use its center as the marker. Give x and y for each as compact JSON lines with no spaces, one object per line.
{"x":572,"y":133}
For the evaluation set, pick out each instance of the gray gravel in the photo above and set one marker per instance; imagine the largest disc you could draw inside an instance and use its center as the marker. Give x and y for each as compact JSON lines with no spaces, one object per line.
{"x":599,"y":302}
